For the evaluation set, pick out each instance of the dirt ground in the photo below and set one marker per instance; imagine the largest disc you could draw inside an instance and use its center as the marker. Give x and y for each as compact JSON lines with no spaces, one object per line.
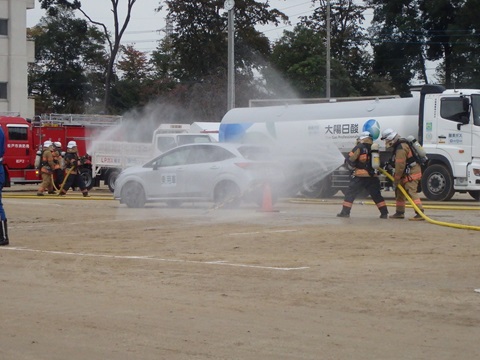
{"x":92,"y":279}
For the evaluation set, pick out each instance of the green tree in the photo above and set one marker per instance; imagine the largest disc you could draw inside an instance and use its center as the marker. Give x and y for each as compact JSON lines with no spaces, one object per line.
{"x":132,"y":89}
{"x":349,"y":41}
{"x":300,"y":57}
{"x":70,"y":64}
{"x":194,"y":55}
{"x":409,"y":32}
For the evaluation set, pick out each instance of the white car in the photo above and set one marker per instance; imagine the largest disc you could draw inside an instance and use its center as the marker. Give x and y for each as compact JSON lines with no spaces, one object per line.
{"x":224,"y":173}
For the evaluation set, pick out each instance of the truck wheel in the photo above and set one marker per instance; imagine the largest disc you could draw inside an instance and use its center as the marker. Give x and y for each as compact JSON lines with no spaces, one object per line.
{"x":86,"y":175}
{"x":475,"y":194}
{"x":112,"y":177}
{"x":437,"y":183}
{"x":133,"y":195}
{"x":227,"y":195}
{"x":320,"y":189}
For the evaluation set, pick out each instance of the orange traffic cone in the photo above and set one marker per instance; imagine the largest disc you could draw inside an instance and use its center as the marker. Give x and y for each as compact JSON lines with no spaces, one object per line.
{"x":267,"y":205}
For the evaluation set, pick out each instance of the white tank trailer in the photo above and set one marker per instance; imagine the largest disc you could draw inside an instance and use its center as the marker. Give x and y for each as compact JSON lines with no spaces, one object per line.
{"x":445,"y":122}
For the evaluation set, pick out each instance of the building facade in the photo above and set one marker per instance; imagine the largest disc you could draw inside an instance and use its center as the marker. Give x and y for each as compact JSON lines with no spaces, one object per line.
{"x":16,"y":51}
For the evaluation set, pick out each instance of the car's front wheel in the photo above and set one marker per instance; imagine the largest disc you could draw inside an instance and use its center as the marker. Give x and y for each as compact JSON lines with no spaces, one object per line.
{"x":133,"y":195}
{"x":227,"y":195}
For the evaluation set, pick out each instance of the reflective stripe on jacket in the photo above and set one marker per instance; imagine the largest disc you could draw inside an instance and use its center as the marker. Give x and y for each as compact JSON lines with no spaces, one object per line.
{"x":403,"y":155}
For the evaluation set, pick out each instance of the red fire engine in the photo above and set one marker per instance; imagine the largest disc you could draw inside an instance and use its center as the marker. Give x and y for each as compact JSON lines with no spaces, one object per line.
{"x":24,"y":137}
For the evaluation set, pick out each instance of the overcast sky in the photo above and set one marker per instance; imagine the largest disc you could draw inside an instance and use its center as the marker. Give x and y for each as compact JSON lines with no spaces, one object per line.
{"x":145,"y":23}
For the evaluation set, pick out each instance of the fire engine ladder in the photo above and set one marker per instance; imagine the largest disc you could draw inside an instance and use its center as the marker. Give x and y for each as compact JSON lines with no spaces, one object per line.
{"x":79,"y":119}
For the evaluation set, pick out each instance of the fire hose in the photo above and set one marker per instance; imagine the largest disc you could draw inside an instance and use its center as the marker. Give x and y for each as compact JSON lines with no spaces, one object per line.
{"x":64,"y":180}
{"x":435,"y":222}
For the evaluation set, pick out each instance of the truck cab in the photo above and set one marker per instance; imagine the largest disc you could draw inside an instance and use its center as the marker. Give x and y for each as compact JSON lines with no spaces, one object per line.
{"x":19,"y":150}
{"x":451,"y":137}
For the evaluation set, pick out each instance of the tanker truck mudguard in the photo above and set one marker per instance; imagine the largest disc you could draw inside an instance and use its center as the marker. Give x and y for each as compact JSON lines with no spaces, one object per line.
{"x":446,"y":123}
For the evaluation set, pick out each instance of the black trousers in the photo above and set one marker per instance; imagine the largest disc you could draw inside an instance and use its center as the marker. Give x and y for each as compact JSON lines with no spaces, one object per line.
{"x":358,"y":184}
{"x":74,"y":180}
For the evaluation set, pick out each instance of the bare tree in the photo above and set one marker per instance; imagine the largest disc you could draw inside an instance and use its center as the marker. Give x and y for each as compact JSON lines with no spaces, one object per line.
{"x":113,"y":41}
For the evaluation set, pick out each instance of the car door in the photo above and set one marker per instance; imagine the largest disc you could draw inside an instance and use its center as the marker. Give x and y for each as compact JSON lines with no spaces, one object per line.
{"x":167,"y":176}
{"x":206,"y":164}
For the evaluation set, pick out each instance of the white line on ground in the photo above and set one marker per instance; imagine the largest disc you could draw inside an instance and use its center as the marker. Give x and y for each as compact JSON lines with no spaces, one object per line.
{"x":218,"y":262}
{"x":262,"y":232}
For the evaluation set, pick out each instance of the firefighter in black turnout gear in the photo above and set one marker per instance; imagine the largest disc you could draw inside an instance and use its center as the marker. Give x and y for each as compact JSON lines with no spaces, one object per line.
{"x":74,"y":178}
{"x":363,"y":177}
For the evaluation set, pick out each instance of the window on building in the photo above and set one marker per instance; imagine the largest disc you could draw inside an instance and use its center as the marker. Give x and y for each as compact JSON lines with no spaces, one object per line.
{"x":3,"y":27}
{"x":3,"y":90}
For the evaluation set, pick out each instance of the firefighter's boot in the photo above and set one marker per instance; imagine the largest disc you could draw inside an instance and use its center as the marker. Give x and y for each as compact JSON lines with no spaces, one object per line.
{"x":383,"y":212}
{"x":345,"y":213}
{"x":3,"y":233}
{"x":417,"y":216}
{"x":398,"y":215}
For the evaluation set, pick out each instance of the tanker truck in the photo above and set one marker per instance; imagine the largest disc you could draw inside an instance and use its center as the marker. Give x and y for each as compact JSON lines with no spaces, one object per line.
{"x":445,"y":122}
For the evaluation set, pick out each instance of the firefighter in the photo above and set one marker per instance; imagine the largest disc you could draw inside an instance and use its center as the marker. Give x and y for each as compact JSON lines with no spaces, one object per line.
{"x":408,"y":173}
{"x":73,"y":176}
{"x":59,"y":164}
{"x":3,"y":218}
{"x":364,"y":177}
{"x":46,"y":169}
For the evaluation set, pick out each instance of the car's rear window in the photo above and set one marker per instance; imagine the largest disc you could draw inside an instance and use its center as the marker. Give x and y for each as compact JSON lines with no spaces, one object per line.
{"x":255,"y":152}
{"x":193,"y":139}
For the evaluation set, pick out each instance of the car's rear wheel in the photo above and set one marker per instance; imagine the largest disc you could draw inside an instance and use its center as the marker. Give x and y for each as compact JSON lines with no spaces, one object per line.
{"x":227,"y":195}
{"x":319,"y":189}
{"x":133,"y":195}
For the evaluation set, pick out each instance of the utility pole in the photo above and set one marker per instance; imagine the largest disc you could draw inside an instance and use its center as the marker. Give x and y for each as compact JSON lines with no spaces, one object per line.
{"x":328,"y":51}
{"x":229,"y":6}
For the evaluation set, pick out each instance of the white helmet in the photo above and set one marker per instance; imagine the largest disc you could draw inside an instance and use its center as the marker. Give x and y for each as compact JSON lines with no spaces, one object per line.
{"x":71,"y":144}
{"x":389,"y":134}
{"x":364,"y":135}
{"x":57,"y":144}
{"x":47,"y":144}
